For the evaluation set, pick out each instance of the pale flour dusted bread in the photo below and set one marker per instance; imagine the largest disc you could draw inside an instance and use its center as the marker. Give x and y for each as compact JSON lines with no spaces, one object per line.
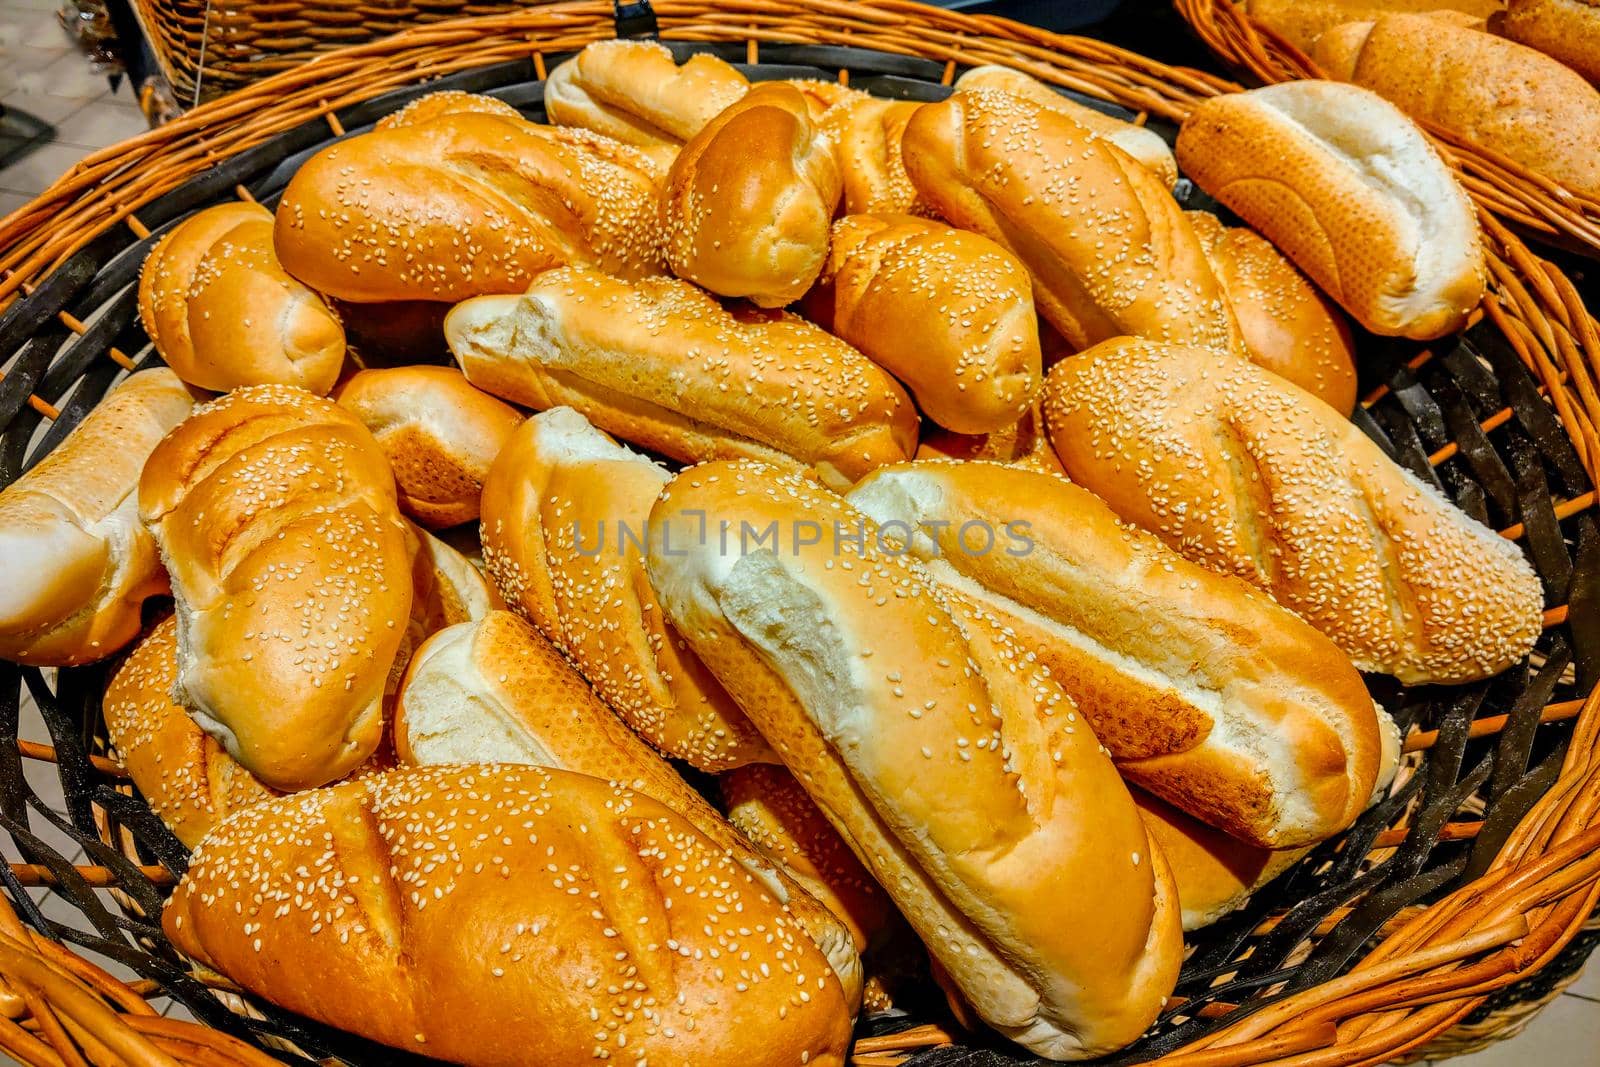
{"x":494,"y":690}
{"x":1352,"y":192}
{"x":75,"y":562}
{"x":1246,"y":474}
{"x":565,"y":511}
{"x":508,"y":916}
{"x":947,"y":312}
{"x":440,"y":435}
{"x":1202,"y":689}
{"x":1110,"y":251}
{"x":886,"y":699}
{"x":466,"y":203}
{"x":223,"y":312}
{"x":275,"y":514}
{"x":749,"y":199}
{"x":661,"y":365}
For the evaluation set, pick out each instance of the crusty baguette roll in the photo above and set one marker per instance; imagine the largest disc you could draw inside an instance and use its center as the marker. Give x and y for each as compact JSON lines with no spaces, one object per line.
{"x":1204,"y":691}
{"x":662,"y":365}
{"x":439,"y":433}
{"x":564,"y":515}
{"x":749,"y":199}
{"x":445,"y":102}
{"x":947,"y":312}
{"x":275,"y":514}
{"x":1568,"y":30}
{"x":496,"y":916}
{"x":223,"y":313}
{"x":1351,"y":191}
{"x":494,"y":690}
{"x":635,"y":92}
{"x":1022,"y":444}
{"x":1303,"y":21}
{"x":464,"y":204}
{"x":1110,"y":251}
{"x":1144,"y":145}
{"x":866,"y":132}
{"x":1246,"y":474}
{"x":184,"y":774}
{"x":1038,"y":892}
{"x":767,"y":805}
{"x":75,"y":562}
{"x":1485,"y":89}
{"x":1289,"y":327}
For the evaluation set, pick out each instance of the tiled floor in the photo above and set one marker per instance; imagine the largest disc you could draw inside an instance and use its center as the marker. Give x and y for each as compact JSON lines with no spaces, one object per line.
{"x":41,"y":74}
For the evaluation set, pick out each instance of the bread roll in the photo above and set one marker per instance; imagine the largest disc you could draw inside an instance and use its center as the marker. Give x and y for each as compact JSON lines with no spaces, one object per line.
{"x":1022,"y":444}
{"x":866,"y":132}
{"x":1110,"y":251}
{"x":184,"y":774}
{"x":1203,"y":691}
{"x":1351,"y":191}
{"x":439,"y":433}
{"x":222,"y":312}
{"x":822,"y":96}
{"x":949,"y":313}
{"x":1144,"y":145}
{"x":1484,"y":89}
{"x":660,"y":364}
{"x":767,"y":805}
{"x":275,"y":514}
{"x":564,"y":518}
{"x":446,"y":102}
{"x":494,"y":690}
{"x":886,"y":700}
{"x":497,"y":916}
{"x":1246,"y":474}
{"x":750,"y":197}
{"x":635,"y":92}
{"x":465,"y":204}
{"x":1568,"y":30}
{"x":75,"y":563}
{"x":1303,"y":21}
{"x":446,"y":589}
{"x":1289,"y":327}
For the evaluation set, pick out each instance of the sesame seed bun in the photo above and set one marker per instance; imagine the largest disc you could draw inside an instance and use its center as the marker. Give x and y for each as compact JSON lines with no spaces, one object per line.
{"x":445,"y":102}
{"x":1247,"y":474}
{"x":489,"y":915}
{"x":886,"y":698}
{"x":662,"y":365}
{"x":866,"y":133}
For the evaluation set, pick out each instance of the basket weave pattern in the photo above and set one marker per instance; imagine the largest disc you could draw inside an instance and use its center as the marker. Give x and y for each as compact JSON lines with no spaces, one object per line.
{"x":1477,"y":872}
{"x":1539,"y":205}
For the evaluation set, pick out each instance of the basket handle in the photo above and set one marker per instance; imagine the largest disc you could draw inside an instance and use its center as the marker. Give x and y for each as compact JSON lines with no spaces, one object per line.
{"x":636,"y":21}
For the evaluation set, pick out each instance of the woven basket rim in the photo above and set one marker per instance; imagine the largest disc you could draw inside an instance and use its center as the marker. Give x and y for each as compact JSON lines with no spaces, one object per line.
{"x":1425,"y":975}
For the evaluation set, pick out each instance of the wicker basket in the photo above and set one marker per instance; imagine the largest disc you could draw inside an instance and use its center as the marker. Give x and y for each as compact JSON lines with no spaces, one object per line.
{"x":1538,"y":206}
{"x":1461,"y":897}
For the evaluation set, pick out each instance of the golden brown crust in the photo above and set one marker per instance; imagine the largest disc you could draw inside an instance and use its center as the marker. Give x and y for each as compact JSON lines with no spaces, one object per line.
{"x":1352,"y":192}
{"x":636,"y":92}
{"x":458,"y":912}
{"x":767,"y":805}
{"x":1110,"y":251}
{"x":184,"y":774}
{"x":885,"y":698}
{"x":446,"y":102}
{"x":866,"y":133}
{"x":663,"y":366}
{"x":440,"y":435}
{"x":381,"y":216}
{"x":1568,"y":30}
{"x":749,"y":199}
{"x":947,"y":312}
{"x":1246,"y":474}
{"x":275,"y":514}
{"x":564,"y":518}
{"x":75,"y":562}
{"x":1485,"y":89}
{"x":1304,"y":21}
{"x":1289,"y":327}
{"x":1203,"y":690}
{"x":1022,"y":444}
{"x":223,"y":313}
